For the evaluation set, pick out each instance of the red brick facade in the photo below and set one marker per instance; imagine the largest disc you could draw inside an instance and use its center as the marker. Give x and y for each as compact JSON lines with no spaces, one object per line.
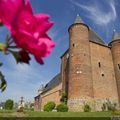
{"x":90,"y":72}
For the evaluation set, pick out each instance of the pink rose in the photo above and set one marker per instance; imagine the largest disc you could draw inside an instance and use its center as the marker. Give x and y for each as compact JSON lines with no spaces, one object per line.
{"x":28,"y":30}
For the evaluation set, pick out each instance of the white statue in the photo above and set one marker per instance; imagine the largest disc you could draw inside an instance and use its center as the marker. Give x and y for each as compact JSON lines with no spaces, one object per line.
{"x":21,"y":104}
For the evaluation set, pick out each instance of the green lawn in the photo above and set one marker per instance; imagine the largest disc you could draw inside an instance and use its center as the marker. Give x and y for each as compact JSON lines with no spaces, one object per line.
{"x":13,"y":113}
{"x":68,"y":114}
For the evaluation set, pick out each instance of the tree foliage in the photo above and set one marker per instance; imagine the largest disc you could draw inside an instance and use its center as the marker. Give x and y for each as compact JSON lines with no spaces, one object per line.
{"x":9,"y":104}
{"x":3,"y":83}
{"x":62,"y":108}
{"x":87,"y":108}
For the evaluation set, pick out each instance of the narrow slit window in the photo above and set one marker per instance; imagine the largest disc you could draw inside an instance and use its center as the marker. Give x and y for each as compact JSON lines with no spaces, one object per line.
{"x":103,"y":75}
{"x":99,"y":64}
{"x":119,"y":66}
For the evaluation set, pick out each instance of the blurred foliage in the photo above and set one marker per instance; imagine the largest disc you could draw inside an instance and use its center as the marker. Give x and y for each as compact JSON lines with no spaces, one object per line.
{"x":9,"y":104}
{"x":3,"y":83}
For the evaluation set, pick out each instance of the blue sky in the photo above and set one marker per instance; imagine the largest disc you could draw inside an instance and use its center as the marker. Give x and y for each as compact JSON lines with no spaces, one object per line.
{"x":24,"y":80}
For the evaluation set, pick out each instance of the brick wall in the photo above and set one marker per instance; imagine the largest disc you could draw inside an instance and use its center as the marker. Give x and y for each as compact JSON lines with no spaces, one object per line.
{"x":51,"y":95}
{"x":37,"y":103}
{"x":64,"y":72}
{"x":103,"y":75}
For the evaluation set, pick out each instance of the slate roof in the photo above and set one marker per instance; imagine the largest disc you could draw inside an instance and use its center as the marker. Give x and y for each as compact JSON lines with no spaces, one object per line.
{"x":116,"y":36}
{"x":53,"y":83}
{"x":78,"y":19}
{"x":92,"y":35}
{"x":95,"y":38}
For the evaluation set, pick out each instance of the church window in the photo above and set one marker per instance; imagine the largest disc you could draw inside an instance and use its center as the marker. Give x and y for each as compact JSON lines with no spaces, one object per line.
{"x":74,"y":45}
{"x":119,"y":66}
{"x":99,"y":64}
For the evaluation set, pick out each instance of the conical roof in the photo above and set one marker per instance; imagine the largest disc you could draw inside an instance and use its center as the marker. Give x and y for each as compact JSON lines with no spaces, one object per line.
{"x":116,"y":36}
{"x":78,"y":19}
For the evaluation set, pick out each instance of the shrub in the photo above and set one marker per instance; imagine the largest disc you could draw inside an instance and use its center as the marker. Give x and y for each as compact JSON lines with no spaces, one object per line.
{"x":49,"y":106}
{"x":62,"y":108}
{"x":104,"y":107}
{"x":64,"y":98}
{"x":111,"y":106}
{"x":31,"y":109}
{"x":87,"y":108}
{"x":116,"y":113}
{"x":9,"y":104}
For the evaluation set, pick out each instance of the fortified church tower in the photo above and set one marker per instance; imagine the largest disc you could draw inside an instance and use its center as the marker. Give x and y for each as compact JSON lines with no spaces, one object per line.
{"x":80,"y":73}
{"x":115,"y":48}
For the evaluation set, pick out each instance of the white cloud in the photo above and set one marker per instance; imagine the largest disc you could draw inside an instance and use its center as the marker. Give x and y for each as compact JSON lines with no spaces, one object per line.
{"x":23,"y":80}
{"x":96,"y":13}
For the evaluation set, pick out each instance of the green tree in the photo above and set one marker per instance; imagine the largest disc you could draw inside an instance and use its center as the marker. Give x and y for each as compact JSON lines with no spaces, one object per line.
{"x":9,"y":104}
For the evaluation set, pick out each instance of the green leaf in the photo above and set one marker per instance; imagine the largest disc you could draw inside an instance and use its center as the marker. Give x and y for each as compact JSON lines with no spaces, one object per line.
{"x":3,"y":83}
{"x":16,"y":56}
{"x":1,"y":64}
{"x":21,"y":56}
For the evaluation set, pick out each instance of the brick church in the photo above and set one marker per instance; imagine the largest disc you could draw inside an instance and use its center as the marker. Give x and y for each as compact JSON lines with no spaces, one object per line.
{"x":90,"y":71}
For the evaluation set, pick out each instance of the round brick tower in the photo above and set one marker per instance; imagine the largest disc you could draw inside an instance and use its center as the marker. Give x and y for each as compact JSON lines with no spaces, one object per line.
{"x":115,"y":48}
{"x":80,"y":86}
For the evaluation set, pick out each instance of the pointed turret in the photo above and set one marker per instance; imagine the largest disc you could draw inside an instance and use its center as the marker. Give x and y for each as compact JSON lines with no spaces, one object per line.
{"x":115,"y":49}
{"x":79,"y":73}
{"x":116,"y":36}
{"x":78,"y":19}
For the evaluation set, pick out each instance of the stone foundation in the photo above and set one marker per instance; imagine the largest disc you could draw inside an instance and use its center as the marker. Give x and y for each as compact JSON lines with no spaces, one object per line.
{"x":96,"y":104}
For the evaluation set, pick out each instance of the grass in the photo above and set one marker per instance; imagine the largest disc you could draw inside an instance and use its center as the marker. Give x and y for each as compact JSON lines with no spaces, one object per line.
{"x":7,"y":111}
{"x":13,"y":113}
{"x":68,"y":114}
